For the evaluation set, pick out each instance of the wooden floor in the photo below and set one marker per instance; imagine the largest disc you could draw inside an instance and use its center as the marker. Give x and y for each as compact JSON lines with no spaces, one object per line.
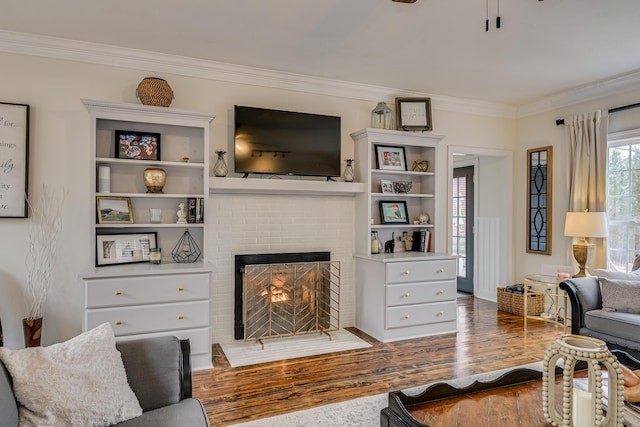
{"x":487,"y":340}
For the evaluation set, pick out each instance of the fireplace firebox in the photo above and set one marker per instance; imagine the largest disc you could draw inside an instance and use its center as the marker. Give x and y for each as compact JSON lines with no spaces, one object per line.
{"x":279,"y":295}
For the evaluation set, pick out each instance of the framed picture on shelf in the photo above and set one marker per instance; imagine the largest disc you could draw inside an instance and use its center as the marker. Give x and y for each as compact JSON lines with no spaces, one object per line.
{"x":390,"y":158}
{"x":114,"y":210}
{"x":137,"y":145}
{"x":386,"y":186}
{"x":124,"y":248}
{"x":393,"y":212}
{"x":413,"y":113}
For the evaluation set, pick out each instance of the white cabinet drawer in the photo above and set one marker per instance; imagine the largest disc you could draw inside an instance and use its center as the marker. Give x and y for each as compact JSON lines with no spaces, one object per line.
{"x":417,"y":293}
{"x":151,"y":318}
{"x":145,"y":290}
{"x":421,"y":271}
{"x":421,"y":314}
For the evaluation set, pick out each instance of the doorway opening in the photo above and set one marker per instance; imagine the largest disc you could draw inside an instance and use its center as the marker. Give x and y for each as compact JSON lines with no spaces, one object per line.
{"x":462,"y":226}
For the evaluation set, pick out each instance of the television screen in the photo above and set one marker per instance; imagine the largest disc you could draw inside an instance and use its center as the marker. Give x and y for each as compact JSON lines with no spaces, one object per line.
{"x":286,"y":143}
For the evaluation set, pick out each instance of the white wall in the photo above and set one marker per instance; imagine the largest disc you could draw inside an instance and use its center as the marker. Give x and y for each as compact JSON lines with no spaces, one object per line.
{"x":59,"y":154}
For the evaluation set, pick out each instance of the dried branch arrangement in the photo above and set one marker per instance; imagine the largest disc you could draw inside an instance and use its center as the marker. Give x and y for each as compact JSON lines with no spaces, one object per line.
{"x":43,"y":235}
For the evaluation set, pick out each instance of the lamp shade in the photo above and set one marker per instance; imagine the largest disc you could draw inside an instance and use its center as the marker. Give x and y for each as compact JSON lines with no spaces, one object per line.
{"x":586,"y":224}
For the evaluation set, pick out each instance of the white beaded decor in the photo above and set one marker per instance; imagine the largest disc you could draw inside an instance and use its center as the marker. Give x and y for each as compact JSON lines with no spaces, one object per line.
{"x":572,"y":349}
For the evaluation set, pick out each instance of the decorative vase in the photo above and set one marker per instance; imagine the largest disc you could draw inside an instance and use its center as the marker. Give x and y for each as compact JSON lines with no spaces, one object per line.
{"x":154,"y":179}
{"x":348,"y":171}
{"x":220,"y":168}
{"x":154,"y":91}
{"x":32,"y":330}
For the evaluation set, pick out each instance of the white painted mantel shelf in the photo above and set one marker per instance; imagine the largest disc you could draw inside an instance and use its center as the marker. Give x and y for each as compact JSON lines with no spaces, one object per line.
{"x":283,"y":186}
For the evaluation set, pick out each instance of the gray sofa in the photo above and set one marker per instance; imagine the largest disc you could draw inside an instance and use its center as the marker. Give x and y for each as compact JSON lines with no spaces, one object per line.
{"x":159,"y":373}
{"x":618,"y":329}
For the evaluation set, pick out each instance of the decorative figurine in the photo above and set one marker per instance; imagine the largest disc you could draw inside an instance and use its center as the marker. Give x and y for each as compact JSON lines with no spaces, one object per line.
{"x":182,"y":214}
{"x":408,"y":241}
{"x":420,"y":166}
{"x":220,"y":167}
{"x":424,"y":218}
{"x":390,"y":245}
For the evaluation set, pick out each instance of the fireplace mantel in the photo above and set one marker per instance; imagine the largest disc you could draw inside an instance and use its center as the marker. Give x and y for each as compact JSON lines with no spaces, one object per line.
{"x":283,"y":186}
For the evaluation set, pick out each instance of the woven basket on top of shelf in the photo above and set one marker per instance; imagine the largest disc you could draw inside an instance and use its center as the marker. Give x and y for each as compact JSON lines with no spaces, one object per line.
{"x":514,"y":303}
{"x":154,"y":91}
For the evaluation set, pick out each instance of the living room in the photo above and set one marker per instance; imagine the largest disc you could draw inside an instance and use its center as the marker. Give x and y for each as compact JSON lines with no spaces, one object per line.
{"x":52,"y":75}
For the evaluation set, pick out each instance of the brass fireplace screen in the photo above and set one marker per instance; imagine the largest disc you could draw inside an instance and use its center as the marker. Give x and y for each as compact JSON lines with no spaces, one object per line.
{"x":290,"y":299}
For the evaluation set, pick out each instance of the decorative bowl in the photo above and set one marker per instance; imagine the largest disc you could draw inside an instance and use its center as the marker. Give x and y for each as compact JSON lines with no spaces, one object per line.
{"x":402,"y":186}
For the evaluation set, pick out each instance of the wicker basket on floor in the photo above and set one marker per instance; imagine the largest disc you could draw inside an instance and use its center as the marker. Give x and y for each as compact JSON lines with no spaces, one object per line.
{"x":514,"y":303}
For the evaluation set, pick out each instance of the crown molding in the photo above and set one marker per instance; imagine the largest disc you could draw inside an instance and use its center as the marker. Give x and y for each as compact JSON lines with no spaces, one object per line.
{"x":593,"y":91}
{"x":95,"y":53}
{"x":101,"y":54}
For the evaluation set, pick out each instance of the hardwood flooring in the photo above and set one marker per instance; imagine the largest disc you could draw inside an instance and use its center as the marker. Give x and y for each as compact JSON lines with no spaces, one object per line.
{"x":487,"y":340}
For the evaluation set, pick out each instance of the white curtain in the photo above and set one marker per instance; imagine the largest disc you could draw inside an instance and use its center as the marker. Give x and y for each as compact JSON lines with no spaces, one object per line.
{"x":587,"y":137}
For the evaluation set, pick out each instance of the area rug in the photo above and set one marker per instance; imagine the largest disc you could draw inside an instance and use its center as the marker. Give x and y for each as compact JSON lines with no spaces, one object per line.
{"x":362,"y":412}
{"x":241,"y":353}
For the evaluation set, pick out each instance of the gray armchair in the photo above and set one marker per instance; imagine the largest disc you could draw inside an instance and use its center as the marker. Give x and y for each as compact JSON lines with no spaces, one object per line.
{"x":159,"y":373}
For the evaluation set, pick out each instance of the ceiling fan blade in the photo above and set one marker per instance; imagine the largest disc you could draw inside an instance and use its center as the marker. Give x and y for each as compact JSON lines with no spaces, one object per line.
{"x":405,"y":1}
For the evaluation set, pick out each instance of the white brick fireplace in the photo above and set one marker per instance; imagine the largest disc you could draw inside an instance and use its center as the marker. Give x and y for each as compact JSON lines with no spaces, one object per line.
{"x":262,"y":223}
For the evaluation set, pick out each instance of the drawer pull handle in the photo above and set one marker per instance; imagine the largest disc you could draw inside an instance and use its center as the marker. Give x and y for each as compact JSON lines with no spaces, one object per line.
{"x":441,"y":291}
{"x":118,"y":322}
{"x":441,"y":313}
{"x":405,"y":273}
{"x":180,"y":289}
{"x":406,"y":316}
{"x":118,"y":292}
{"x":406,"y":295}
{"x":441,"y":270}
{"x":180,"y":316}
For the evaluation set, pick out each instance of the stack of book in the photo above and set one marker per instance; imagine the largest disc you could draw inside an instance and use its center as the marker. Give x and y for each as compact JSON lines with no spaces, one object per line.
{"x":195,"y":210}
{"x":421,"y":241}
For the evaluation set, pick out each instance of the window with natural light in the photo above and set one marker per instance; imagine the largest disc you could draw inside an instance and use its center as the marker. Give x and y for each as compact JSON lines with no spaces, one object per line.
{"x":623,"y":201}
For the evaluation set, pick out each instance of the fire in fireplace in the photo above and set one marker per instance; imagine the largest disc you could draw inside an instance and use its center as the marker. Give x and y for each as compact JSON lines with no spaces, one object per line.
{"x":286,"y":294}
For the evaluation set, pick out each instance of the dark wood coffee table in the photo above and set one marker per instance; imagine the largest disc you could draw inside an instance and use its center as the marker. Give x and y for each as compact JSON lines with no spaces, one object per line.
{"x":512,"y":399}
{"x":506,"y":401}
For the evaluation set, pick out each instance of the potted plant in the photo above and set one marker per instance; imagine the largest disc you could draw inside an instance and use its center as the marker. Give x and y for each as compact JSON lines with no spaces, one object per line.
{"x":43,"y":235}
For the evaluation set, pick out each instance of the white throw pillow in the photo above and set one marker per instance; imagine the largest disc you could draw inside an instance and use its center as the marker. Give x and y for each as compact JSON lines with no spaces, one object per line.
{"x":616,"y":275}
{"x":80,"y":382}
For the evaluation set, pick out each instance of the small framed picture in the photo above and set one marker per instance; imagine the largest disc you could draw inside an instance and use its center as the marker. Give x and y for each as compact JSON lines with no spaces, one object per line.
{"x":413,"y":113}
{"x":137,"y":145}
{"x":114,"y":210}
{"x":393,"y":212}
{"x":124,"y":248}
{"x":386,"y":186}
{"x":390,"y":158}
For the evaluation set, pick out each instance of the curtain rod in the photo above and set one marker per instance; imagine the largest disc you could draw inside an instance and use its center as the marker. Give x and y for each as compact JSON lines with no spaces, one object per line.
{"x":613,"y":110}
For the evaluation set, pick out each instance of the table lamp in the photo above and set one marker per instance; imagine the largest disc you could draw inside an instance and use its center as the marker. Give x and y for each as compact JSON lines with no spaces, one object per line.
{"x":583,"y":225}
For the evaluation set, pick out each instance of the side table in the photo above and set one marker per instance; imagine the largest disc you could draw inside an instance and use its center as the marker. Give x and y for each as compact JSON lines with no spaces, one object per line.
{"x":557,"y":294}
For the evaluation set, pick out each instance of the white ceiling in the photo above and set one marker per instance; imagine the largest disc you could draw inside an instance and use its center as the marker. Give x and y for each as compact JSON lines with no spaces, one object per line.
{"x":437,"y":47}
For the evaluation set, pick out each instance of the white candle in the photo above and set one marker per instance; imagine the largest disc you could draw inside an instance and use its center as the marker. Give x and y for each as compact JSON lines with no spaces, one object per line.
{"x":104,"y":179}
{"x":583,"y":409}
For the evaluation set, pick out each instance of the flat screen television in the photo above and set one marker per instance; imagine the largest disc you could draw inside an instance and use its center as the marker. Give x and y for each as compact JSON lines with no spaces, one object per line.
{"x":286,"y":143}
